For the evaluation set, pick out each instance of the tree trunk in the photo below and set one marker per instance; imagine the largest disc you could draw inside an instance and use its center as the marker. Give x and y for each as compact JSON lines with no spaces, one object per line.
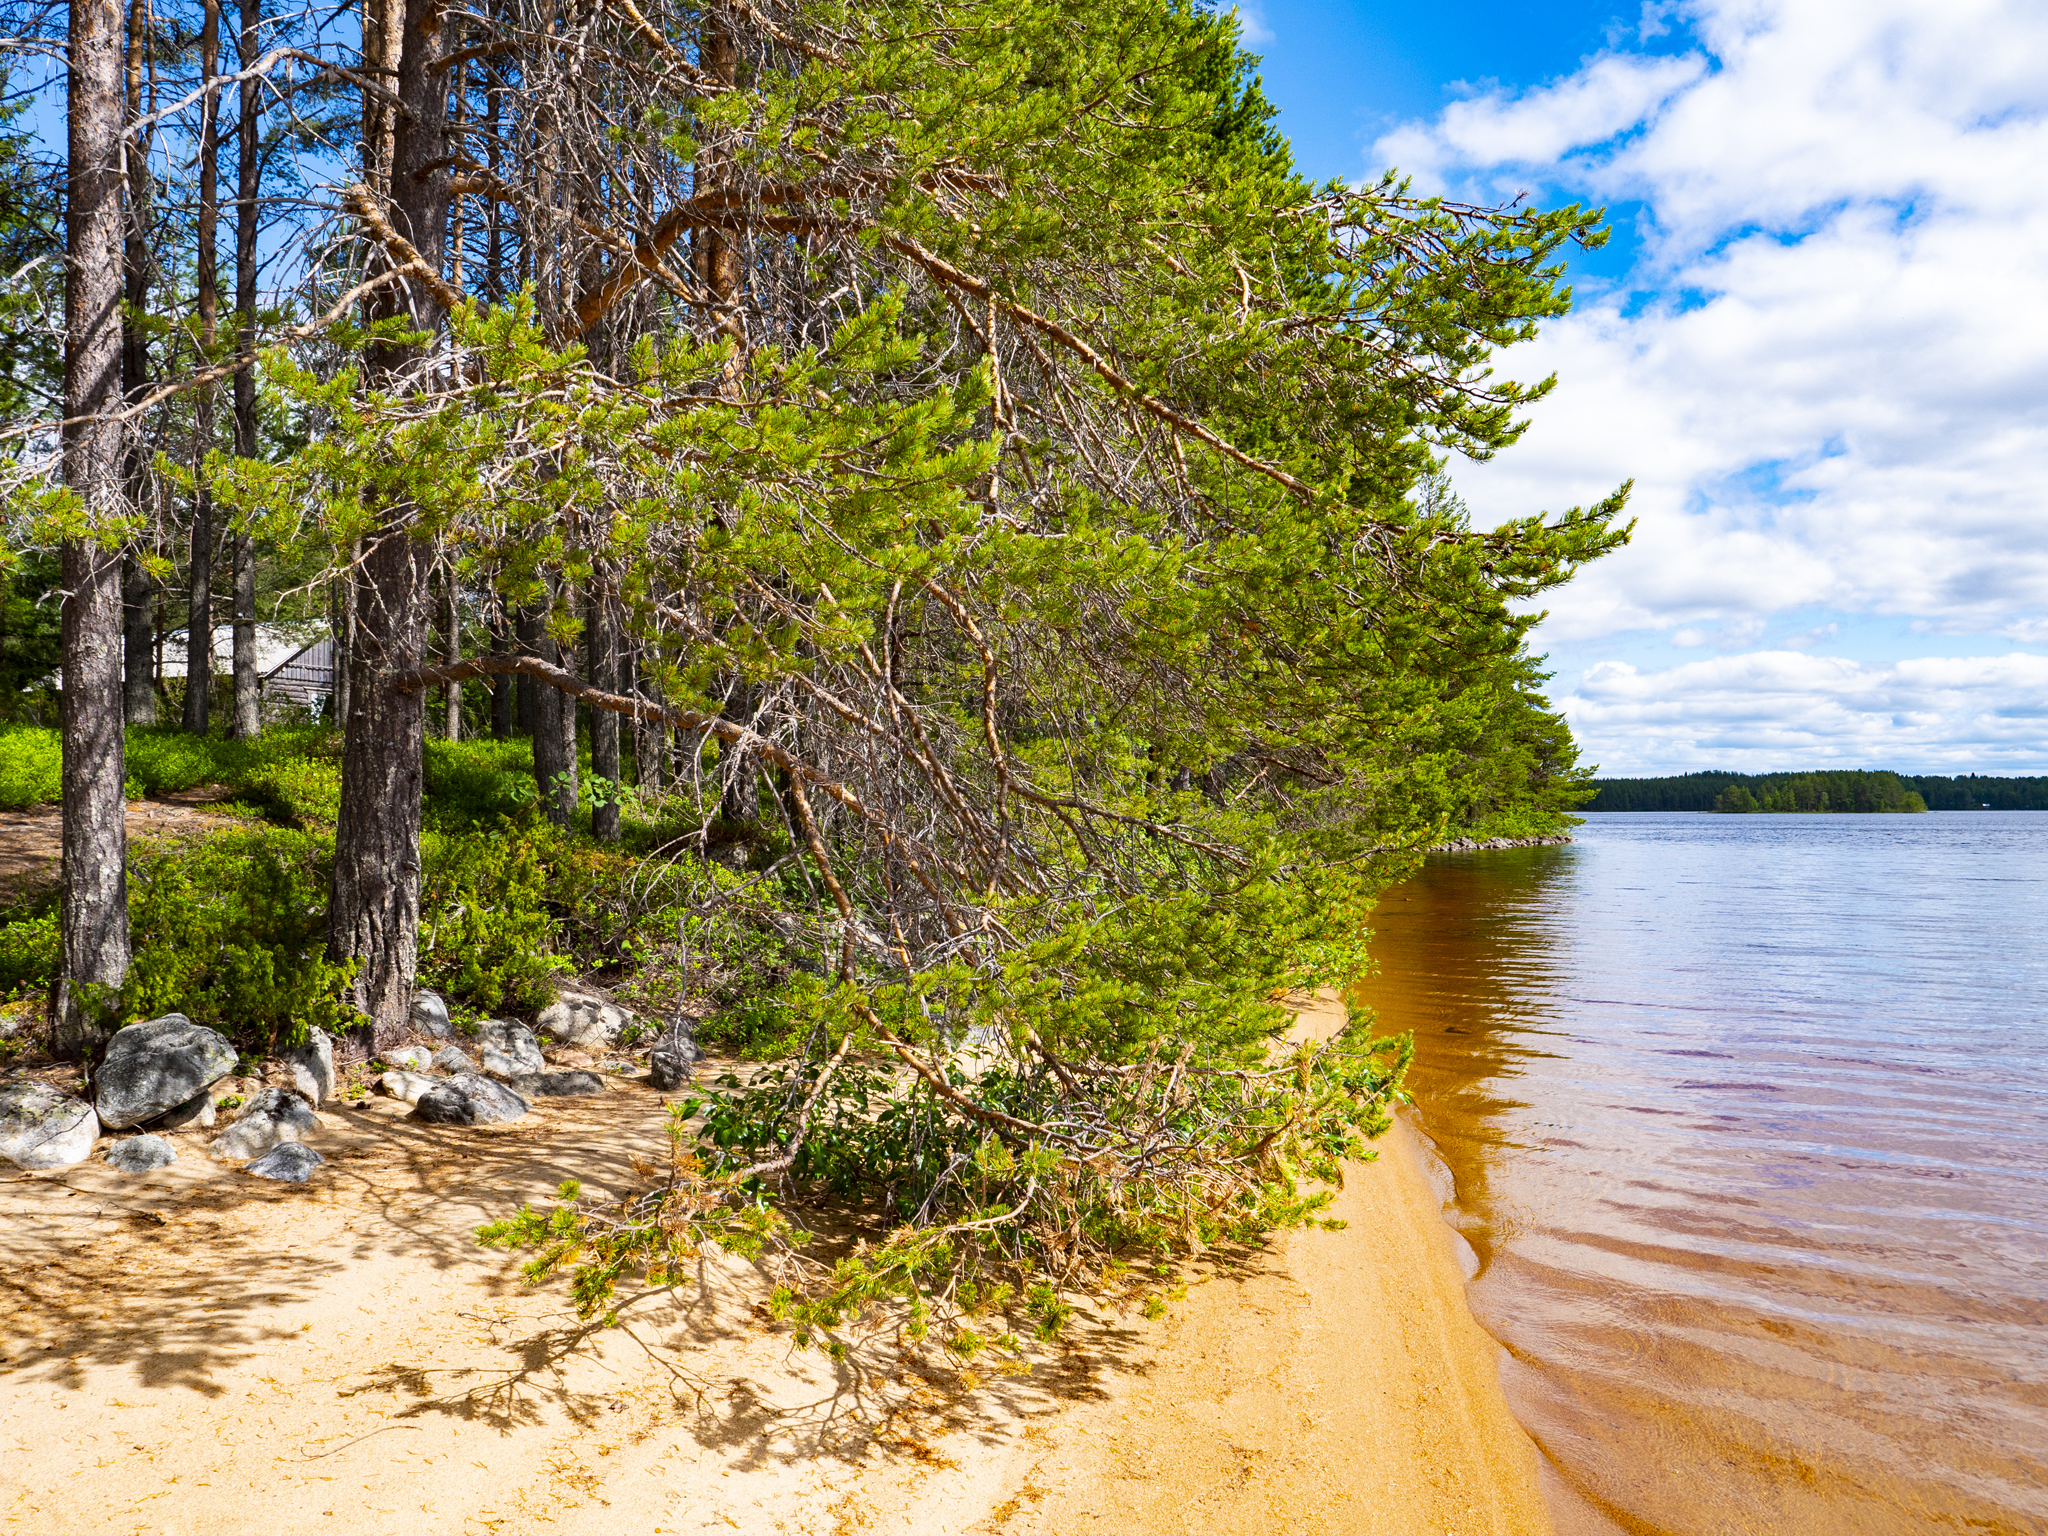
{"x":248,"y":715}
{"x":553,"y":720}
{"x":532,"y":632}
{"x":601,"y":642}
{"x":650,"y":737}
{"x":451,"y":647}
{"x":503,"y":697}
{"x":199,"y":602}
{"x":138,"y":696}
{"x":374,"y":915}
{"x":93,"y":905}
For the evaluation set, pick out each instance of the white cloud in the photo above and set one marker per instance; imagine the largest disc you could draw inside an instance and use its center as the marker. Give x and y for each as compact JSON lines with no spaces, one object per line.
{"x":1252,"y":28}
{"x":1771,"y":709}
{"x":1828,"y":373}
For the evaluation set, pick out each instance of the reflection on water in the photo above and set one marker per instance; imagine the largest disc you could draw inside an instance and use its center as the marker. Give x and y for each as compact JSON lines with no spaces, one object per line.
{"x":1747,"y":1119}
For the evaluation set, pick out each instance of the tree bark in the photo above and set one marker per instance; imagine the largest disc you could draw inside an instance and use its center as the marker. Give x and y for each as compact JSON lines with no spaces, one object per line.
{"x":138,"y":696}
{"x":531,"y":630}
{"x":248,"y":714}
{"x":199,"y":601}
{"x":553,"y":719}
{"x":93,"y":904}
{"x":502,"y":694}
{"x":374,"y":915}
{"x":451,"y":647}
{"x":601,"y":644}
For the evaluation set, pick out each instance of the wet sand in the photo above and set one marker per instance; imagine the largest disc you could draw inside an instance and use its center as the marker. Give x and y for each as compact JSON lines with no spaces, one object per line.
{"x":192,"y":1349}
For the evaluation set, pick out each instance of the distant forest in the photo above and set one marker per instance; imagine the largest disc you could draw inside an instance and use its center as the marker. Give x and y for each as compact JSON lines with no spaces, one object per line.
{"x":1845,"y":791}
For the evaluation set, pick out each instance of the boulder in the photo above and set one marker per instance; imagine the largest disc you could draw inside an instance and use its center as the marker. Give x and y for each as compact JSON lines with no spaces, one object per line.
{"x":406,"y":1085}
{"x":289,"y":1162}
{"x":556,"y":1085}
{"x":42,"y":1128}
{"x":430,"y":1016}
{"x":156,"y":1066}
{"x":451,"y":1058}
{"x":140,"y":1154}
{"x":471,"y":1099}
{"x":272,"y":1116}
{"x":312,"y":1066}
{"x":509,"y":1050}
{"x":674,"y":1054}
{"x":583,"y":1019}
{"x":197,"y":1110}
{"x":411,"y":1058}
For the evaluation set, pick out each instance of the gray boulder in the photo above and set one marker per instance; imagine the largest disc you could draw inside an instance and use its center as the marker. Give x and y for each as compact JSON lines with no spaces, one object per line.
{"x":584,"y":1020}
{"x":407,"y":1086}
{"x":556,"y":1085}
{"x":197,"y":1110}
{"x":156,"y":1066}
{"x":42,"y":1128}
{"x":272,"y":1116}
{"x":471,"y":1099}
{"x":509,"y":1050}
{"x":450,"y":1058}
{"x":312,"y":1066}
{"x":289,"y":1162}
{"x":141,"y":1154}
{"x":411,"y":1058}
{"x":669,"y":1063}
{"x":430,"y":1016}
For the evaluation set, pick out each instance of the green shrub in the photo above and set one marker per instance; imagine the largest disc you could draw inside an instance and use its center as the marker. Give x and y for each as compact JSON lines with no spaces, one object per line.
{"x":297,"y":792}
{"x":473,"y":783}
{"x":29,"y":956}
{"x":487,"y":927}
{"x":31,"y":767}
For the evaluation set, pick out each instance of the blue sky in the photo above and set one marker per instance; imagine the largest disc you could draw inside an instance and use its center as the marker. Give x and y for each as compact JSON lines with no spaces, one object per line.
{"x":1818,"y":343}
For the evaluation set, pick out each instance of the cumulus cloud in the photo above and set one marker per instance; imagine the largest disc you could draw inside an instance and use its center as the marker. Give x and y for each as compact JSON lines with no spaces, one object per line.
{"x":1771,"y":709}
{"x":1828,"y":371}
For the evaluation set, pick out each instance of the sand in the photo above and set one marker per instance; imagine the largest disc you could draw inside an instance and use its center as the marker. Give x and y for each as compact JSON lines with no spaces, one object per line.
{"x":195,"y":1351}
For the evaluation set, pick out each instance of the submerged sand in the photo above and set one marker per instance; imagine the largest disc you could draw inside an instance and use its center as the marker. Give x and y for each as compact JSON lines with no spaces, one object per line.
{"x":195,"y":1350}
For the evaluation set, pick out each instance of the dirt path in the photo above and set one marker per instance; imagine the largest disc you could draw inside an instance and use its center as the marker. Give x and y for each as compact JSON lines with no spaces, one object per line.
{"x":31,"y":840}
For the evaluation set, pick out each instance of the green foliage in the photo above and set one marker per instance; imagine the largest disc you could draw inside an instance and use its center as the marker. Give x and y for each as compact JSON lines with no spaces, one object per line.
{"x":30,"y":638}
{"x":29,"y":952}
{"x":31,"y":767}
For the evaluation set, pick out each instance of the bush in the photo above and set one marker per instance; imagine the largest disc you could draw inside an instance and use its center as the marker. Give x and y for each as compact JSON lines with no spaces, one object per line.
{"x":31,"y":767}
{"x":473,"y":783}
{"x":29,"y":956}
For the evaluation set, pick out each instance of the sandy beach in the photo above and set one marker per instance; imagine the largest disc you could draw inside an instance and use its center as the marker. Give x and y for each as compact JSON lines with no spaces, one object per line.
{"x":195,"y":1350}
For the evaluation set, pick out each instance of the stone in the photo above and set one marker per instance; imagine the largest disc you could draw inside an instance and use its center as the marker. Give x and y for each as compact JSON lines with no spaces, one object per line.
{"x":583,"y":1019}
{"x":451,"y":1058}
{"x":197,"y":1110}
{"x":156,"y":1066}
{"x":289,"y":1162}
{"x":141,"y":1154}
{"x":406,"y":1085}
{"x":312,"y":1066}
{"x":411,"y":1058}
{"x":430,"y":1016}
{"x":471,"y":1099}
{"x":271,"y":1116}
{"x":674,"y":1054}
{"x":556,"y":1085}
{"x":42,"y":1128}
{"x":509,"y":1050}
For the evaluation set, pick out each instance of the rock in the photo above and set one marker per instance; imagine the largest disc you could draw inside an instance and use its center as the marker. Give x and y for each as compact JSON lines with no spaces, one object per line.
{"x":451,"y":1058}
{"x":407,"y":1085}
{"x":430,"y":1016}
{"x":669,"y":1063}
{"x":42,"y":1128}
{"x":156,"y":1066}
{"x":140,"y":1154}
{"x":471,"y":1099}
{"x":583,"y":1019}
{"x":312,"y":1066}
{"x":289,"y":1162}
{"x":411,"y":1058}
{"x":272,"y":1116}
{"x":197,"y":1110}
{"x":556,"y":1085}
{"x":509,"y":1050}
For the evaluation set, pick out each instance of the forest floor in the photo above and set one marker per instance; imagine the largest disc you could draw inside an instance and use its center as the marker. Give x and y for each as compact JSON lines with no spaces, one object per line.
{"x":31,"y":840}
{"x":198,"y":1350}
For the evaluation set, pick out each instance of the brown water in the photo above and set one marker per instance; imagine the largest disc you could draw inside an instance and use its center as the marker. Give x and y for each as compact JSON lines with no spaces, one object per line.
{"x":1746,"y":1121}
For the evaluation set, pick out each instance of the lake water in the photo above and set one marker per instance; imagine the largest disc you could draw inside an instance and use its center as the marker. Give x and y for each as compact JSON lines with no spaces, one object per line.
{"x":1745,"y":1120}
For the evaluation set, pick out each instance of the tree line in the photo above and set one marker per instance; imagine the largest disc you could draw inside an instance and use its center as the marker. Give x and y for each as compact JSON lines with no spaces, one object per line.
{"x":1857,"y":791}
{"x":943,"y":445}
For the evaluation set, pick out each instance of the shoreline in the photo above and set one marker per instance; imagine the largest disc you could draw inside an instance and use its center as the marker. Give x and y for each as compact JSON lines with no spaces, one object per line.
{"x":183,"y":1349}
{"x":1485,"y":844}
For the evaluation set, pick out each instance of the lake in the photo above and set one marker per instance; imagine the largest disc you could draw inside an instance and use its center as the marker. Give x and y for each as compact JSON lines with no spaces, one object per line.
{"x":1745,"y":1121}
